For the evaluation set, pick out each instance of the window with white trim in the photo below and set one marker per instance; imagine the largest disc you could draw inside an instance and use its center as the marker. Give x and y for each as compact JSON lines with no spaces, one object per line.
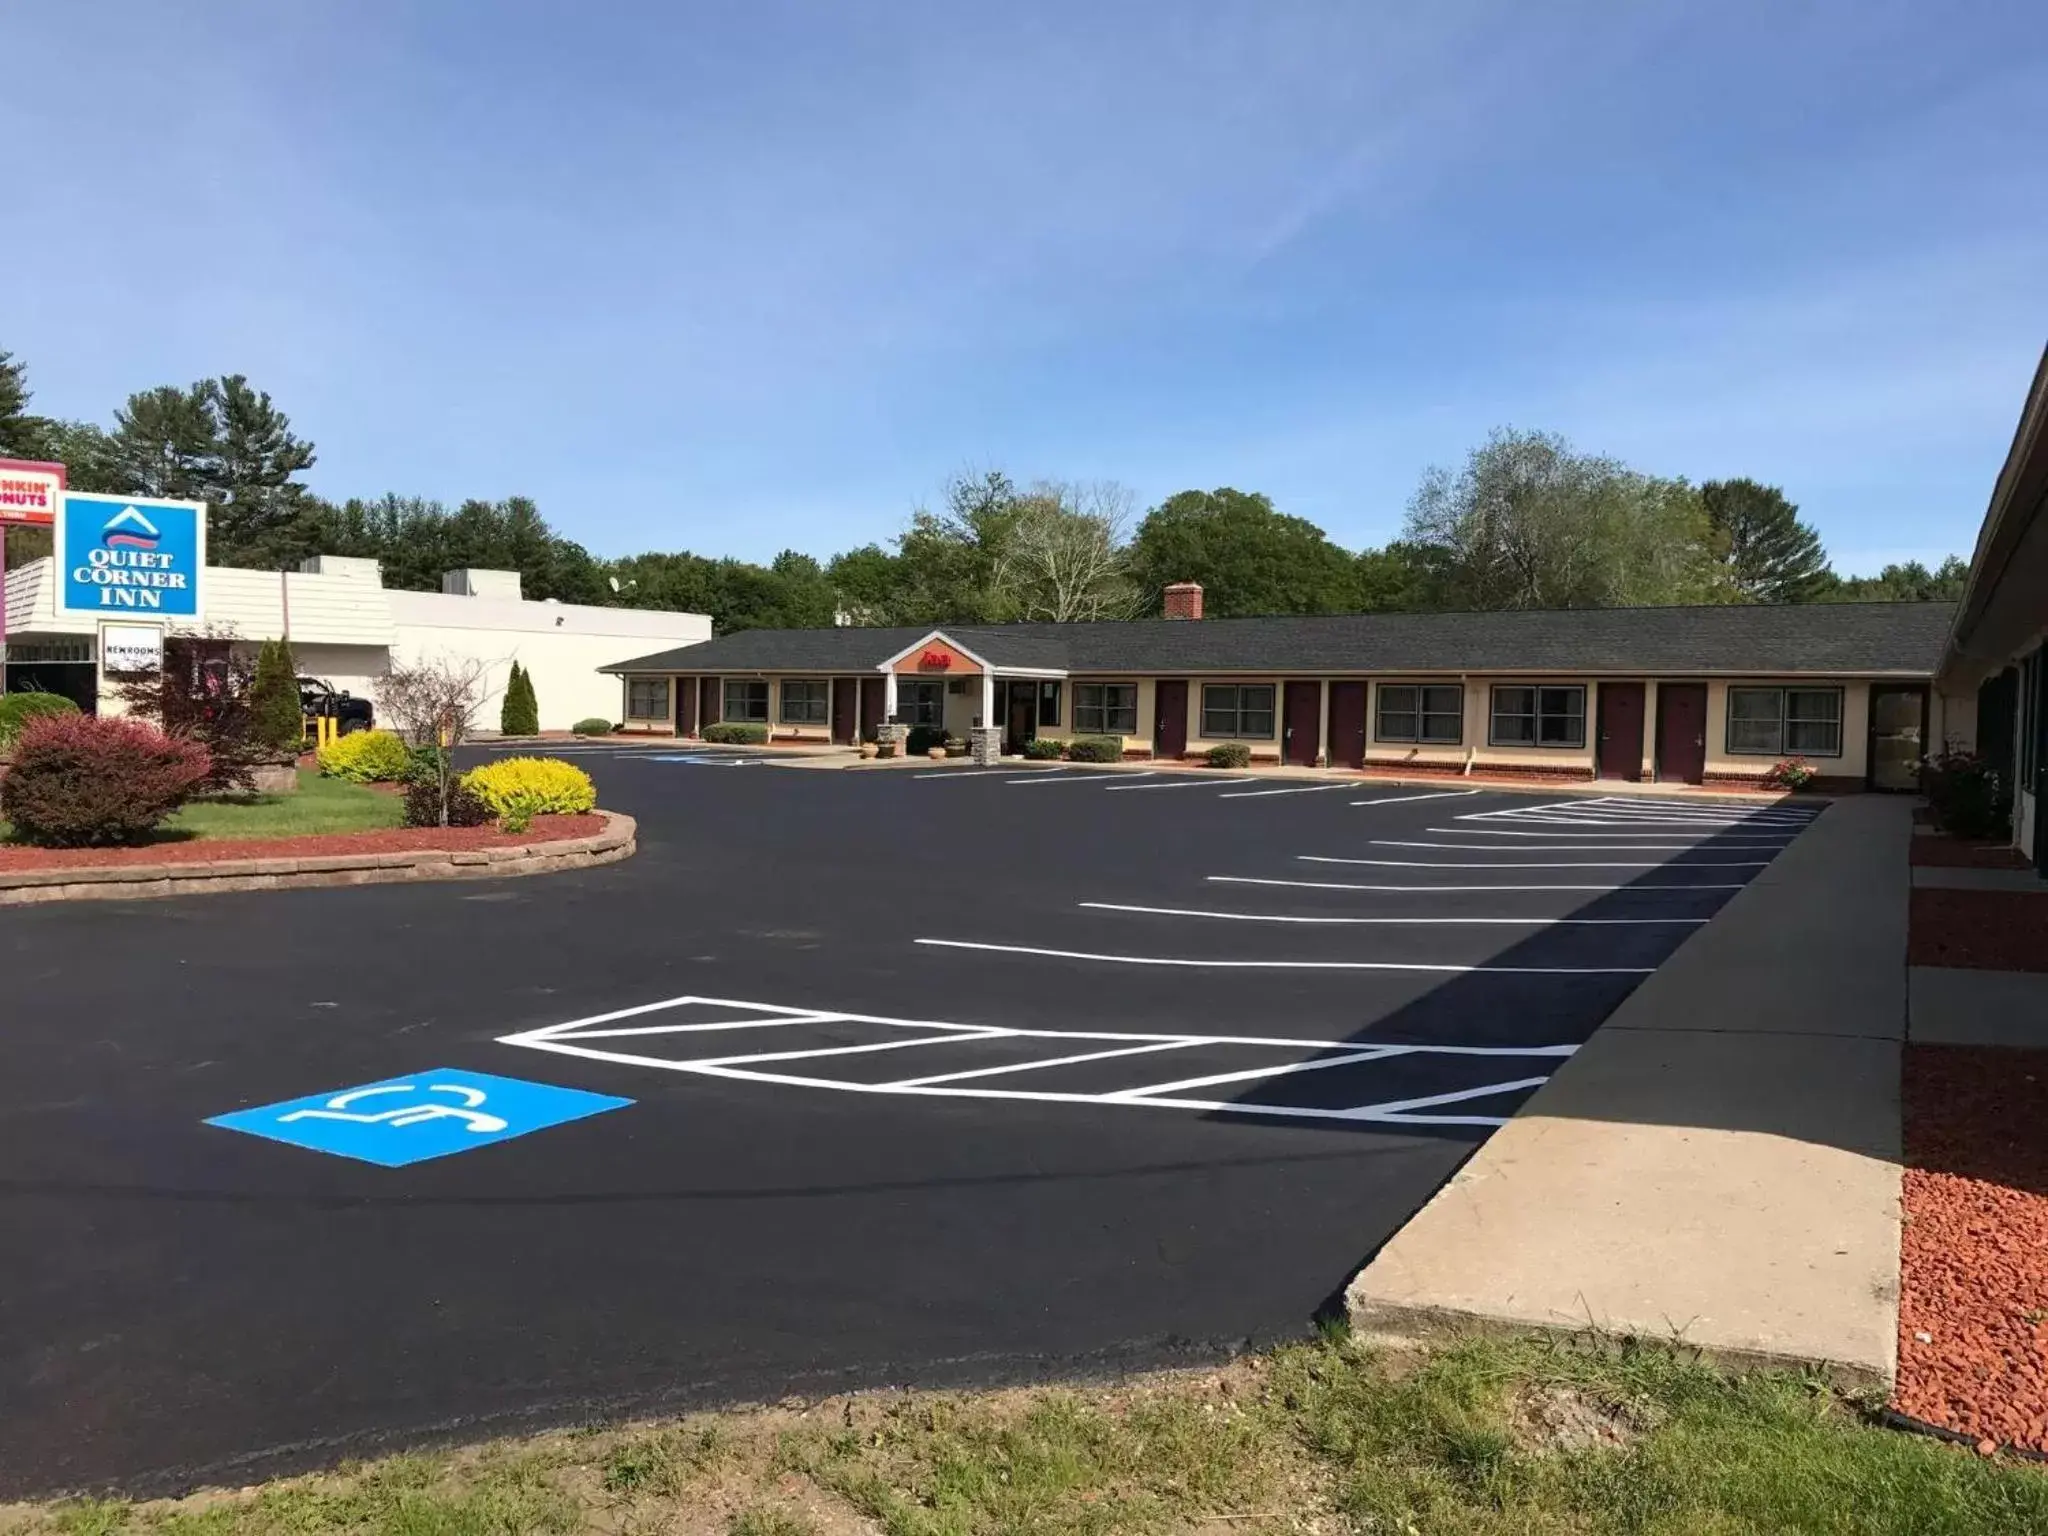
{"x":1238,"y":711}
{"x":806,"y":701}
{"x":1421,"y":712}
{"x":1785,"y":722}
{"x":746,"y":700}
{"x":1106,"y":709}
{"x":920,"y":703}
{"x":646,"y":698}
{"x":1535,"y":716}
{"x":1048,"y":703}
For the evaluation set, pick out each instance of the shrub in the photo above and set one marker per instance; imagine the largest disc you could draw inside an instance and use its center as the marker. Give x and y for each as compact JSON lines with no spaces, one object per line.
{"x":277,"y":718}
{"x":520,"y":714}
{"x":592,"y":727}
{"x":465,"y":807}
{"x":203,"y":692}
{"x":425,"y":765}
{"x":1043,"y":749}
{"x":17,"y":709}
{"x":1968,"y":796}
{"x":366,"y":757}
{"x":78,"y":780}
{"x":520,"y":788}
{"x":734,"y":733}
{"x":1095,"y":749}
{"x":923,"y":738}
{"x":1229,"y":754}
{"x":1794,"y":773}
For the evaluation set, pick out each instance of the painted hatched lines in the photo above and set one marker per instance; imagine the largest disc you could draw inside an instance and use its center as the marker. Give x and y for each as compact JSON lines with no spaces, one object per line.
{"x":908,"y":1035}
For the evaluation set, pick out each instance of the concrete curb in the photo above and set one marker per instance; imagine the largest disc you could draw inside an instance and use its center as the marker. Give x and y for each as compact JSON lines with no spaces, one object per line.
{"x":1719,"y":1165}
{"x":129,"y":882}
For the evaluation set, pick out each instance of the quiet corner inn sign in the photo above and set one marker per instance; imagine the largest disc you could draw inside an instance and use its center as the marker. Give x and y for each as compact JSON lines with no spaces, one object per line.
{"x":124,"y":555}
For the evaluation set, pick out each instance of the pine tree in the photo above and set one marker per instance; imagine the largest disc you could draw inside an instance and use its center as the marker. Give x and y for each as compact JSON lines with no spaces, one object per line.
{"x":520,"y":715}
{"x":274,"y":698}
{"x":1771,"y":555}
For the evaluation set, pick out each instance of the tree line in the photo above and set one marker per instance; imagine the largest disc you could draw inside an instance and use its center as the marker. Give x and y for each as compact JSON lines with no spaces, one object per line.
{"x":1528,"y":521}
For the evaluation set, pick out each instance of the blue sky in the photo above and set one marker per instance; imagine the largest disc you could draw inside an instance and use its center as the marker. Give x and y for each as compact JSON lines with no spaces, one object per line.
{"x":735,"y":277}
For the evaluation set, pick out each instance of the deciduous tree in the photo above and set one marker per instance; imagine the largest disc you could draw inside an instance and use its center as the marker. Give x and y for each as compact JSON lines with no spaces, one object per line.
{"x":1249,"y":558}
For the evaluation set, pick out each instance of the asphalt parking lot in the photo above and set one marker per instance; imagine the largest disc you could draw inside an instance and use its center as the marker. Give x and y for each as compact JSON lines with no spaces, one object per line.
{"x":848,"y":1078}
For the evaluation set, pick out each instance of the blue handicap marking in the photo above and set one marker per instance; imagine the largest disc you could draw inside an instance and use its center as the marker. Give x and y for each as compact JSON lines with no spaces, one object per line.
{"x":426,"y":1114}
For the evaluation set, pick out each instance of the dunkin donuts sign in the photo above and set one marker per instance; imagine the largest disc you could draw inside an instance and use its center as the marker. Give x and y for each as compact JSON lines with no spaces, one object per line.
{"x":29,"y":491}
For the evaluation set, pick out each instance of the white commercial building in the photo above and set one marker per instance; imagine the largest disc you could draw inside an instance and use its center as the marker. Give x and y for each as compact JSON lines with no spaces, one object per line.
{"x":347,"y":628}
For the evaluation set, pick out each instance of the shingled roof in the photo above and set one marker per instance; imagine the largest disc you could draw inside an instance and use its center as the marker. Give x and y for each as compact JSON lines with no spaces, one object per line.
{"x":1815,"y":638}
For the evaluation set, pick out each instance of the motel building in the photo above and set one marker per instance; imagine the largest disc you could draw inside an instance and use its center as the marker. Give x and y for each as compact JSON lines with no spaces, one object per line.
{"x":130,"y":573}
{"x":1698,"y":695}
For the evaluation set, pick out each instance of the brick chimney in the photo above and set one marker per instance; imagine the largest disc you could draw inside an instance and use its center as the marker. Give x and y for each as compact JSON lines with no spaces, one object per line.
{"x":1184,"y":600}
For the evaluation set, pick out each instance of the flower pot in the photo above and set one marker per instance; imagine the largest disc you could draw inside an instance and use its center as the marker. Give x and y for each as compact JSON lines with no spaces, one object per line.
{"x":869,"y":750}
{"x":936,"y":754}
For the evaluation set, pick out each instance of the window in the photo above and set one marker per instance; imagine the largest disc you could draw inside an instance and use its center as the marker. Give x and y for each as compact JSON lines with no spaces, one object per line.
{"x":806,"y":701}
{"x":1106,"y":709}
{"x":1238,"y":711}
{"x":921,"y":703}
{"x":646,"y":698}
{"x":1539,"y":717}
{"x":1048,"y":704}
{"x":746,"y":699}
{"x":1433,"y":712}
{"x":1785,"y":722}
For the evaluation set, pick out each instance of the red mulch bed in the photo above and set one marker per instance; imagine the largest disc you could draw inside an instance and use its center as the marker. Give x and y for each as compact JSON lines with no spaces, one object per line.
{"x":545,"y":829}
{"x":1975,"y":1245}
{"x":1979,"y":930}
{"x":1954,"y":853}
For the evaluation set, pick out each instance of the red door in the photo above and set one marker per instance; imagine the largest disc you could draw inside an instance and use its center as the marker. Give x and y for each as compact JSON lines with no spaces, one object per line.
{"x":1170,"y":720}
{"x":686,"y":706}
{"x":1347,"y":724}
{"x":707,"y":702}
{"x":872,"y":691}
{"x":1682,"y":732}
{"x":1621,"y":731}
{"x":1302,"y":735}
{"x":845,"y":709}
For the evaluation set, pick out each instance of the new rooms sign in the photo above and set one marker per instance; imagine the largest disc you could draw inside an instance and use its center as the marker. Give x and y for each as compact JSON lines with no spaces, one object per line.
{"x":125,"y":555}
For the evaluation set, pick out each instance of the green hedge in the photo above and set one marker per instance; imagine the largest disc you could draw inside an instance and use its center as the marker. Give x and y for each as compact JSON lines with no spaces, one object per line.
{"x":592,"y":727}
{"x":733,"y":733}
{"x":17,"y":709}
{"x":1229,"y":754}
{"x":1095,"y":749}
{"x":1043,"y":749}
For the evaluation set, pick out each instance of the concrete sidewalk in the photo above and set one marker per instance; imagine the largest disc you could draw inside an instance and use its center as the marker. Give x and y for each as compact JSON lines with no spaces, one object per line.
{"x":1719,"y":1164}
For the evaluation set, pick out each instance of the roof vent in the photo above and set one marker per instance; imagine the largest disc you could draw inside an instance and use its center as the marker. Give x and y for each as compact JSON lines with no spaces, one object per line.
{"x":1184,"y":600}
{"x":472,"y":582}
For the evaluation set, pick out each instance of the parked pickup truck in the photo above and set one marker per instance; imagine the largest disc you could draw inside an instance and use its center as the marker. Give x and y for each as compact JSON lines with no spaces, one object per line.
{"x":319,"y":700}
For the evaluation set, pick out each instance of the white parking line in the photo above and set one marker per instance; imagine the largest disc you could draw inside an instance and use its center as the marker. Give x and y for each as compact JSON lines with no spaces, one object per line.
{"x":961,"y":773}
{"x":1513,"y":922}
{"x":1187,"y":783}
{"x":1065,"y":776}
{"x":1289,"y":965}
{"x":1759,"y":839}
{"x":1417,"y":890}
{"x":1441,"y":794}
{"x":1383,"y":842}
{"x":1324,"y":858}
{"x":1050,"y":1061}
{"x":1305,"y":789}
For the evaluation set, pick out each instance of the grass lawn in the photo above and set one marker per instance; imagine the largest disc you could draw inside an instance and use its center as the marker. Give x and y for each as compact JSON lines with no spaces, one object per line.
{"x":1480,"y":1439}
{"x":321,"y":805}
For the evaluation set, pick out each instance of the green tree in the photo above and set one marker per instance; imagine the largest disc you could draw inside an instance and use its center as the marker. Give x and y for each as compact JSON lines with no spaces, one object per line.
{"x":1399,"y":578}
{"x":1770,"y":555}
{"x":1249,"y":558}
{"x":870,"y":584}
{"x":262,"y":515}
{"x":278,"y":719}
{"x":520,"y":714}
{"x":22,"y":435}
{"x":1909,"y":582}
{"x":164,"y":442}
{"x":1530,"y":523}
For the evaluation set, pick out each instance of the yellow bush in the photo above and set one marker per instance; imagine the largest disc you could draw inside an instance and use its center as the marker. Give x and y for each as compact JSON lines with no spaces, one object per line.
{"x":365,"y":757}
{"x":518,"y":788}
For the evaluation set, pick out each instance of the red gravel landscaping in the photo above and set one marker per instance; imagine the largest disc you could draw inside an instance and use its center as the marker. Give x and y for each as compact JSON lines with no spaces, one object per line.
{"x":1979,"y":930}
{"x":545,"y":829}
{"x":1974,"y":1251}
{"x":1951,"y":853}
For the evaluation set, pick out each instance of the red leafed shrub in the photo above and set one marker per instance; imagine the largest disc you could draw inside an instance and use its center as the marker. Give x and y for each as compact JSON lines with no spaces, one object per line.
{"x":78,"y":780}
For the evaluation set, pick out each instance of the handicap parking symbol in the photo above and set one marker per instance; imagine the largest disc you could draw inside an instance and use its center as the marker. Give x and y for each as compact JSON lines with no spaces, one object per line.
{"x":427,"y":1114}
